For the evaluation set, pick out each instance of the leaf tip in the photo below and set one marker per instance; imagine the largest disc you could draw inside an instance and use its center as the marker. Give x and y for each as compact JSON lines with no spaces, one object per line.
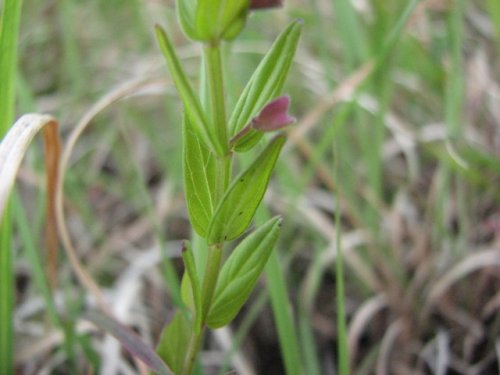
{"x":158,"y":27}
{"x":280,"y":222}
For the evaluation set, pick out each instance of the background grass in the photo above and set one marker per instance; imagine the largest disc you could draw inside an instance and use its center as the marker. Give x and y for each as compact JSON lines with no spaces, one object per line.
{"x":399,"y":170}
{"x":9,"y":26}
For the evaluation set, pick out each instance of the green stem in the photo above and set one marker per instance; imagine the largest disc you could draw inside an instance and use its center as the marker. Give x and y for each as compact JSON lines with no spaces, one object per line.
{"x":192,"y":351}
{"x":10,"y":16}
{"x":207,"y":292}
{"x":215,"y":78}
{"x":210,"y":279}
{"x":217,"y":110}
{"x":222,"y":177}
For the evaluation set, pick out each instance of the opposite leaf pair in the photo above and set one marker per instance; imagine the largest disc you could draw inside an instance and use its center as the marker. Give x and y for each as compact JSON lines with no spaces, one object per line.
{"x":237,"y":279}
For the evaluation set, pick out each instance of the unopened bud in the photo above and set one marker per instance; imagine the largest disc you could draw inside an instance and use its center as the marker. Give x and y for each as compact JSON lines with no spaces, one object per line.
{"x":262,"y":4}
{"x":274,"y":115}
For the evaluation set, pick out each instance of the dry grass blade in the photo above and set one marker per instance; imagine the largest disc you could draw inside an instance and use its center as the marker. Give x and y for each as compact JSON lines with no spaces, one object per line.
{"x":129,"y":340}
{"x":115,"y":95}
{"x":14,"y":145}
{"x":341,"y":92}
{"x":486,"y":258}
{"x":51,"y":340}
{"x":361,"y":319}
{"x":386,"y":347}
{"x":225,"y":337}
{"x":12,"y":150}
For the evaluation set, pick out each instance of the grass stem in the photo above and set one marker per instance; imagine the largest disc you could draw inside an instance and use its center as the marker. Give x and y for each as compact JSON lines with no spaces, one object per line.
{"x":9,"y":25}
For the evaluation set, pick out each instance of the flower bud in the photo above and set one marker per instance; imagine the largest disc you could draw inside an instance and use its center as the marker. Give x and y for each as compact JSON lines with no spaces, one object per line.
{"x":212,"y":20}
{"x":274,"y":115}
{"x":262,"y":4}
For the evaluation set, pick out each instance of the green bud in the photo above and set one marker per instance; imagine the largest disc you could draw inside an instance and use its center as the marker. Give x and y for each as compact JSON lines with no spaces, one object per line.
{"x":212,"y":20}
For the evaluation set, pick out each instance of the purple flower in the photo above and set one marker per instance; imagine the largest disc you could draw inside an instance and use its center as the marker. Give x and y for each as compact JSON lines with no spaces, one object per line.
{"x":262,"y":4}
{"x":274,"y":115}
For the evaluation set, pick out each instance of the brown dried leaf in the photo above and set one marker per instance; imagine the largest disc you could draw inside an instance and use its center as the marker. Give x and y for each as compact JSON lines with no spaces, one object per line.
{"x":12,"y":150}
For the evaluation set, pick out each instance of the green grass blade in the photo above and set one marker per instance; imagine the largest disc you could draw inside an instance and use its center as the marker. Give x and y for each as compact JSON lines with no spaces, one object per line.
{"x":29,"y":244}
{"x":9,"y":25}
{"x":395,"y":33}
{"x":493,"y":7}
{"x":283,"y":316}
{"x":351,"y":33}
{"x":73,"y":68}
{"x":309,"y":345}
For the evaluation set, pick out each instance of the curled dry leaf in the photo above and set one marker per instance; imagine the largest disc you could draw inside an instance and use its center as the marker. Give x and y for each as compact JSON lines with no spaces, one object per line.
{"x":12,"y":150}
{"x":14,"y":145}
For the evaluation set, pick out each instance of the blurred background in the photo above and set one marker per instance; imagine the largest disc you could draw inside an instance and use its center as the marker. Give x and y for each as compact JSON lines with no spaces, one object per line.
{"x":394,"y":160}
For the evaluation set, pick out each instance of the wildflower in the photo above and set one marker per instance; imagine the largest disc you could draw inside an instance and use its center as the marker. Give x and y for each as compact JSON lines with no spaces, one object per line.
{"x":274,"y":116}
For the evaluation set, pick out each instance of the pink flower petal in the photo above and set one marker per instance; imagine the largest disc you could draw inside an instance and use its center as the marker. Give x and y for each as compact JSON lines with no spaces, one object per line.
{"x":262,"y":4}
{"x":274,"y":115}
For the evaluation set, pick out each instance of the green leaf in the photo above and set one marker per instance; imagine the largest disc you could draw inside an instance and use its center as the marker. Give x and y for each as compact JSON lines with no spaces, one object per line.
{"x":186,"y":13}
{"x":187,"y":292}
{"x":240,"y":273}
{"x":238,"y":205}
{"x":199,"y":179}
{"x":190,"y":100}
{"x":215,"y":18}
{"x":235,"y":28}
{"x":248,"y":141}
{"x":10,"y":16}
{"x":267,"y":81}
{"x":174,"y":342}
{"x":193,"y":282}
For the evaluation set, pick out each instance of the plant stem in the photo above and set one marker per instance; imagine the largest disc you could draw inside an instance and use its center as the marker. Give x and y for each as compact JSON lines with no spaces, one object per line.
{"x":10,"y":16}
{"x":215,"y":78}
{"x":217,"y":111}
{"x":207,"y":292}
{"x":223,"y":174}
{"x":210,"y":279}
{"x":192,"y":351}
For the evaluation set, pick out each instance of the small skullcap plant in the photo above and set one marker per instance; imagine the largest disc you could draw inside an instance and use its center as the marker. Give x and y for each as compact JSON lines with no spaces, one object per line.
{"x":221,"y":206}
